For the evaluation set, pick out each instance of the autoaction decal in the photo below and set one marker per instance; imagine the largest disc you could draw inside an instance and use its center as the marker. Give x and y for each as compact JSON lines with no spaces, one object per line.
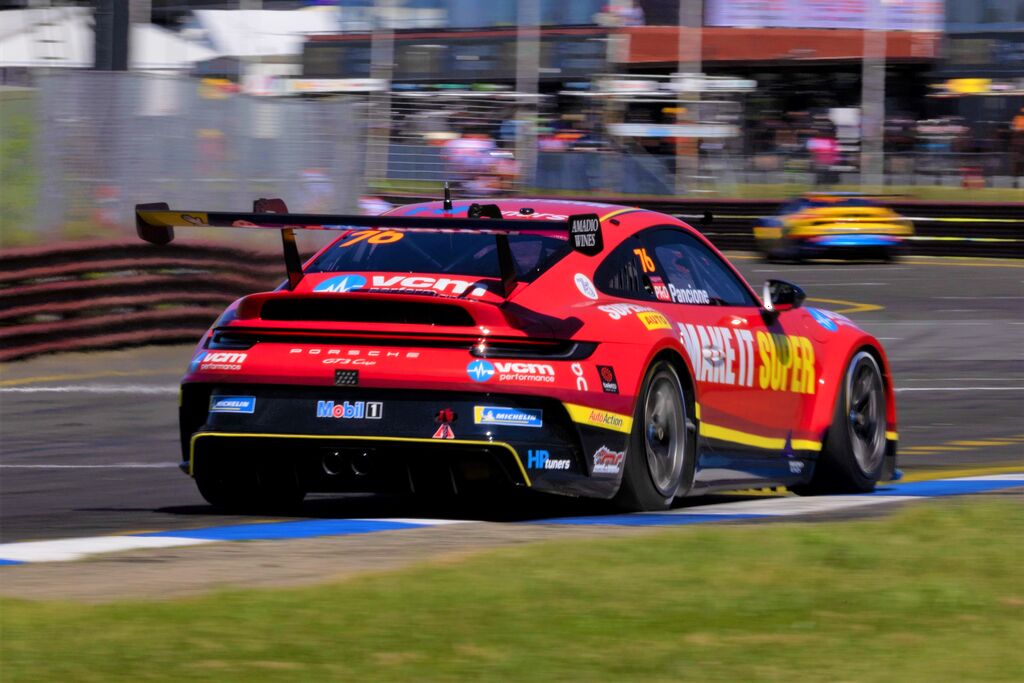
{"x":398,"y":283}
{"x":355,"y":410}
{"x":720,"y":355}
{"x":653,"y":320}
{"x":599,"y":418}
{"x":233,"y":404}
{"x":511,"y":417}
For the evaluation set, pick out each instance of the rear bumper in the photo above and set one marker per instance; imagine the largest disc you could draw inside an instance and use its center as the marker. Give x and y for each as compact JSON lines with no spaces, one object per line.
{"x":333,"y":440}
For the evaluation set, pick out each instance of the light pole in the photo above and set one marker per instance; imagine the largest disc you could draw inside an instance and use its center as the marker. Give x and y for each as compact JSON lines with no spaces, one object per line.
{"x":691,"y":24}
{"x":872,"y":110}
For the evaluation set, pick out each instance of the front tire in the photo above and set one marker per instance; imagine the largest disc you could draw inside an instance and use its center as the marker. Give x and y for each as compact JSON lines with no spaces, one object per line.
{"x":853,"y":454}
{"x":660,"y":455}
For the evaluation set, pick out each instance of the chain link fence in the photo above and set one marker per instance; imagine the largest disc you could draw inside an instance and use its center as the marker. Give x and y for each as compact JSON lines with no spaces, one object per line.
{"x":106,"y":141}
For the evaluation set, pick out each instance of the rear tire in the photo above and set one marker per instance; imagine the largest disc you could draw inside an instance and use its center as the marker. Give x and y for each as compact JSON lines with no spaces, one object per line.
{"x":660,"y":454}
{"x":853,"y":454}
{"x":255,"y":489}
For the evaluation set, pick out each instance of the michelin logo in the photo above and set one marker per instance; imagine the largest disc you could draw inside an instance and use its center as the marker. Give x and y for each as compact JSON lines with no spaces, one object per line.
{"x":511,"y":417}
{"x":233,"y":404}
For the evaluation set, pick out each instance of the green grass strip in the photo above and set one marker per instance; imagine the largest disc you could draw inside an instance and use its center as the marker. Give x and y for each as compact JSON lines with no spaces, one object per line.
{"x":934,"y":592}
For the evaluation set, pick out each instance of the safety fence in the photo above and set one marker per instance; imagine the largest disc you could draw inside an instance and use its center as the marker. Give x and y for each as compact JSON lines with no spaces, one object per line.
{"x":100,"y":295}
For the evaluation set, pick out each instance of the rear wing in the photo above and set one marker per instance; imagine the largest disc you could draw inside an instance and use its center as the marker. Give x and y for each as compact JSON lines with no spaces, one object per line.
{"x":155,"y":223}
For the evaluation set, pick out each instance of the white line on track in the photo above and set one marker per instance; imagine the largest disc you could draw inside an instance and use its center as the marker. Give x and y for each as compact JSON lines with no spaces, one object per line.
{"x":94,"y":389}
{"x":898,"y":389}
{"x":66,"y":549}
{"x":112,"y":466}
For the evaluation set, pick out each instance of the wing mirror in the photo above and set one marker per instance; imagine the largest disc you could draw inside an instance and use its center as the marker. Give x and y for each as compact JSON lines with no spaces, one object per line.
{"x":779,"y":295}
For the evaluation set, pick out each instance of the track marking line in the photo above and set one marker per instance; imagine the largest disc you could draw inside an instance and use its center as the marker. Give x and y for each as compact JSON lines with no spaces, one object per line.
{"x":112,"y":466}
{"x":143,"y":389}
{"x":85,"y":375}
{"x":851,"y":306}
{"x":955,"y":483}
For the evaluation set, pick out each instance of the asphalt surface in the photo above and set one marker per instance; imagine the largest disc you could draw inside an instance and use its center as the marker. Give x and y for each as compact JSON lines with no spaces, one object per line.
{"x":89,"y":441}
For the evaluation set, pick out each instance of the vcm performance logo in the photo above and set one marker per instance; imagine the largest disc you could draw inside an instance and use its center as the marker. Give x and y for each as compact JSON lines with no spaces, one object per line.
{"x":484,"y":370}
{"x":356,"y":410}
{"x":341,"y":284}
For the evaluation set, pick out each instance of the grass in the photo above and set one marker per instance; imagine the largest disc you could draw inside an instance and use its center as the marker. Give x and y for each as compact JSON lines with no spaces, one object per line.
{"x":18,"y":175}
{"x":932,"y":593}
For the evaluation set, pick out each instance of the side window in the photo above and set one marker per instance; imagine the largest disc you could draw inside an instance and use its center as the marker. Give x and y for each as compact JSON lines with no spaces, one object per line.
{"x":693,"y":273}
{"x":622,"y":272}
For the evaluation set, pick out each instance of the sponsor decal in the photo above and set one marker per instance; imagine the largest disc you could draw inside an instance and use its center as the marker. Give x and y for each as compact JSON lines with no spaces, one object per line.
{"x":607,"y":461}
{"x":688,"y":295}
{"x":417,"y":283}
{"x":341,"y":284}
{"x":581,"y":381}
{"x":222,"y":360}
{"x":194,"y":220}
{"x":480,"y":370}
{"x":602,"y":418}
{"x":823,"y":319}
{"x":355,"y":410}
{"x":511,"y":417}
{"x":585,"y":233}
{"x":538,"y":459}
{"x":720,"y":355}
{"x":483,"y":371}
{"x":619,"y":311}
{"x":445,"y":416}
{"x":233,"y":404}
{"x":608,"y":381}
{"x":660,"y":290}
{"x":243,"y":224}
{"x":585,"y":286}
{"x":653,"y":320}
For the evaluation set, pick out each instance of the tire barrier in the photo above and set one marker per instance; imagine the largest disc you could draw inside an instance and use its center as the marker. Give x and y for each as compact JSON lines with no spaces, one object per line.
{"x":102,"y":295}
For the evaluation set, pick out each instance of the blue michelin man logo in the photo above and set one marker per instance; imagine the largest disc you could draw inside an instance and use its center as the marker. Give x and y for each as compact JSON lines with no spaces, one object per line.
{"x":823,"y":319}
{"x":480,"y":370}
{"x":341,"y":283}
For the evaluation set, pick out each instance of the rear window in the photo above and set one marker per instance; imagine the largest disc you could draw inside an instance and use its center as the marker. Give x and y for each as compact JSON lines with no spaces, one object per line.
{"x":432,"y":252}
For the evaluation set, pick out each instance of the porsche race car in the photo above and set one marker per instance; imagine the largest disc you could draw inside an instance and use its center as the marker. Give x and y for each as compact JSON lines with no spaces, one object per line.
{"x":567,"y":347}
{"x":832,"y":225}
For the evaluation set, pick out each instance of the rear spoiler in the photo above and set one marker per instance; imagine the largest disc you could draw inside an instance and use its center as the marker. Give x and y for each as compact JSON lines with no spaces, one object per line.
{"x":155,"y":223}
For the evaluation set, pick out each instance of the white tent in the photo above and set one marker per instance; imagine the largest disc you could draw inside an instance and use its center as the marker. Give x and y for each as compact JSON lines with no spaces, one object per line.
{"x":64,"y":37}
{"x":58,"y":36}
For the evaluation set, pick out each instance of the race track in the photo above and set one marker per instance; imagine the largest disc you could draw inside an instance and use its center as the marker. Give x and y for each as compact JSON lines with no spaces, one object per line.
{"x":90,"y":440}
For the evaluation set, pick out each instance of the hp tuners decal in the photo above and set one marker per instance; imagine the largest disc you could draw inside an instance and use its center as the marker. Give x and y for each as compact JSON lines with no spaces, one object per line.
{"x":480,"y":370}
{"x":355,"y":410}
{"x":341,"y":284}
{"x":510,"y":417}
{"x":233,"y":404}
{"x":539,"y":459}
{"x":607,"y":461}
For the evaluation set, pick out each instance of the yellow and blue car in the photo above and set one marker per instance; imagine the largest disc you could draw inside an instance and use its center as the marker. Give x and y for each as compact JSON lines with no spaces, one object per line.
{"x":832,"y":225}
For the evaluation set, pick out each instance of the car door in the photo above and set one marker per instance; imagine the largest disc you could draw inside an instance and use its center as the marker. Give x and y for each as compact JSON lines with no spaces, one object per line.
{"x":751,"y":374}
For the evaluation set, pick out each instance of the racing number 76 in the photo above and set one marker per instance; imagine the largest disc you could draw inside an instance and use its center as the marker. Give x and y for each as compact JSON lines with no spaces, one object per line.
{"x":645,"y":261}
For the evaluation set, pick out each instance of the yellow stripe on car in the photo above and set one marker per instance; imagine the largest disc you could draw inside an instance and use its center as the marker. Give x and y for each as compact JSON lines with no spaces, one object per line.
{"x":711,"y":431}
{"x":333,"y":437}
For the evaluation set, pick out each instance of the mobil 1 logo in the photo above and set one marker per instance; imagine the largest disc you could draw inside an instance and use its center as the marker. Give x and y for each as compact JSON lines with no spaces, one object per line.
{"x":585,"y":234}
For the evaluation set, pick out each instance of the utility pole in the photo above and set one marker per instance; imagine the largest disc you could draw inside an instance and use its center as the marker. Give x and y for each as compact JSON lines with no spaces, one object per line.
{"x":527,"y":78}
{"x":872,"y":112}
{"x":382,"y":58}
{"x":691,"y":24}
{"x":111,"y":48}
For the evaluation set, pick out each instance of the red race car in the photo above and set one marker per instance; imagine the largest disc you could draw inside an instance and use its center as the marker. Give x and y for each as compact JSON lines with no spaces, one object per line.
{"x":570,"y":347}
